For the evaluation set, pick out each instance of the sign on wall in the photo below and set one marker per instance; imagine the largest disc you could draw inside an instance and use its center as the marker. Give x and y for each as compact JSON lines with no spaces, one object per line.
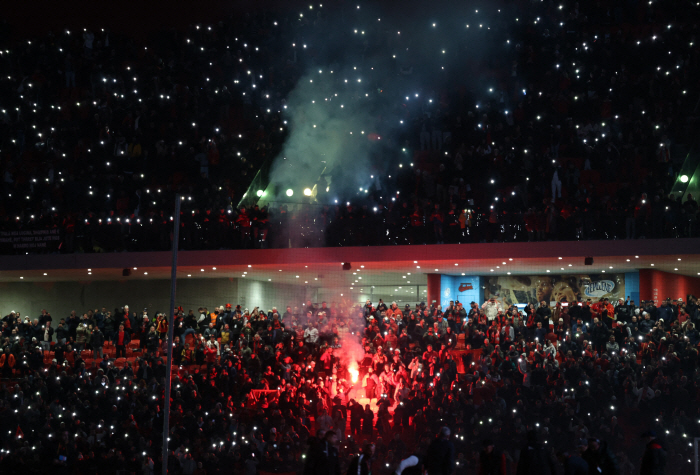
{"x":462,"y":288}
{"x":521,"y":289}
{"x":30,"y":239}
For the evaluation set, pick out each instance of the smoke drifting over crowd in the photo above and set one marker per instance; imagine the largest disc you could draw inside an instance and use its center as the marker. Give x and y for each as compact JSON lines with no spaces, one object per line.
{"x":331,"y":134}
{"x":369,"y":79}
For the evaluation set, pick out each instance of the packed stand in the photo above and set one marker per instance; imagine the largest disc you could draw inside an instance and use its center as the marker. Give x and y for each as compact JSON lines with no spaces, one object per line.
{"x":579,"y":132}
{"x":259,"y":390}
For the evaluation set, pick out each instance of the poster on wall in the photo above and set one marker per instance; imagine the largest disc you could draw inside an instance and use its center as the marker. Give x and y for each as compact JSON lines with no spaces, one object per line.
{"x":462,"y":288}
{"x":523,"y":289}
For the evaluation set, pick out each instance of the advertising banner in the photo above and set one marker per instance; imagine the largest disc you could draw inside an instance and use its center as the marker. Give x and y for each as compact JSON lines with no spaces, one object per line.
{"x":524,"y":289}
{"x":48,"y":239}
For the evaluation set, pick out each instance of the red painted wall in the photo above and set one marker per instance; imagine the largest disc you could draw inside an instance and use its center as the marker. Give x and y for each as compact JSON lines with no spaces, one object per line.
{"x":433,"y":288}
{"x":657,"y":285}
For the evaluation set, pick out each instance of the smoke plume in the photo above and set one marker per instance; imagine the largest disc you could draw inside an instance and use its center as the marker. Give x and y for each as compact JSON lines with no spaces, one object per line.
{"x":370,"y":77}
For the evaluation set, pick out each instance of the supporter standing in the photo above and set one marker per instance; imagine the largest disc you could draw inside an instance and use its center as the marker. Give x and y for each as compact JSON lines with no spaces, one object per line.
{"x":534,"y":458}
{"x":121,"y":340}
{"x":543,"y":314}
{"x":600,"y":458}
{"x":573,"y":463}
{"x":152,"y":341}
{"x":61,"y":333}
{"x":491,"y":308}
{"x":440,"y":457}
{"x":490,"y":461}
{"x":368,"y":422}
{"x":97,"y":340}
{"x":46,"y":336}
{"x":110,"y":327}
{"x":323,"y":457}
{"x":82,"y":334}
{"x":654,"y":458}
{"x":361,"y":464}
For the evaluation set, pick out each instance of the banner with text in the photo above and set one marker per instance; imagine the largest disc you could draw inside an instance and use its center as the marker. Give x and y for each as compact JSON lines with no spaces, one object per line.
{"x":523,"y":289}
{"x":30,"y":240}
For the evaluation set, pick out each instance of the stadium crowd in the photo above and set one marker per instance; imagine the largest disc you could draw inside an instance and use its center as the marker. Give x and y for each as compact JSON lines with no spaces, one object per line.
{"x":588,"y":117}
{"x":309,"y":388}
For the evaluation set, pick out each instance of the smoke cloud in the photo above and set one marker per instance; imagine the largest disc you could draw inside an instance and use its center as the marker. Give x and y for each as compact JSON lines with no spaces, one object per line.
{"x":352,"y":351}
{"x":370,"y":78}
{"x":335,"y":134}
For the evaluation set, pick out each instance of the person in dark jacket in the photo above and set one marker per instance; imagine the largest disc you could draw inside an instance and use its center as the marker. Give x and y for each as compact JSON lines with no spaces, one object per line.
{"x":37,"y":330}
{"x":362,"y":463}
{"x":145,"y":372}
{"x":665,"y":311}
{"x":323,"y":457}
{"x":534,"y":458}
{"x":441,"y":454}
{"x":62,"y":333}
{"x":368,"y":421}
{"x":490,"y":461}
{"x":121,"y":339}
{"x":97,"y":341}
{"x":44,"y":318}
{"x":654,"y":458}
{"x":599,"y":335}
{"x":573,"y":462}
{"x":152,"y":341}
{"x":110,"y":327}
{"x":356,"y":413}
{"x":600,"y":458}
{"x":543,"y":314}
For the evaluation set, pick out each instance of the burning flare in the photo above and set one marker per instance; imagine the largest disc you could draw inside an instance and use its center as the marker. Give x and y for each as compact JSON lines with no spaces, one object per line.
{"x":354,"y":373}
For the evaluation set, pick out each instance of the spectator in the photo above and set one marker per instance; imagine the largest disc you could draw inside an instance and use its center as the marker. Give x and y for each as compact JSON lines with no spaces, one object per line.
{"x":534,"y":459}
{"x":323,"y":457}
{"x":490,"y":461}
{"x":573,"y":463}
{"x":544,"y":313}
{"x":97,"y":340}
{"x":82,"y":334}
{"x":61,"y":333}
{"x":47,"y":336}
{"x":362,"y":463}
{"x":491,"y":308}
{"x":121,"y":340}
{"x":599,"y":458}
{"x":612,"y":347}
{"x":654,"y":459}
{"x":440,"y":457}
